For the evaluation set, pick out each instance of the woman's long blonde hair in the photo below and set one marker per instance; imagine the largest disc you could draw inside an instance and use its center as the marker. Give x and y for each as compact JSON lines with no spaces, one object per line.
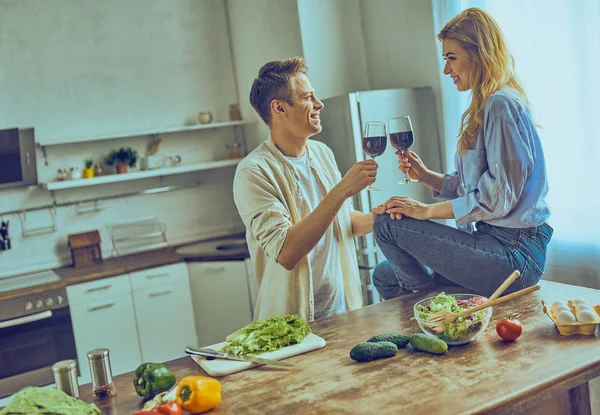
{"x":481,"y":37}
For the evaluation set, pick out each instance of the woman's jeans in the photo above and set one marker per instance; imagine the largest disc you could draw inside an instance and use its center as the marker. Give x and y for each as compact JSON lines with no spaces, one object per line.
{"x":422,"y":252}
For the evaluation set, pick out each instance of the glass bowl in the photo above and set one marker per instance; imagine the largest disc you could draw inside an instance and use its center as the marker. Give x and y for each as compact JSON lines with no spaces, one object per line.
{"x":463,"y":329}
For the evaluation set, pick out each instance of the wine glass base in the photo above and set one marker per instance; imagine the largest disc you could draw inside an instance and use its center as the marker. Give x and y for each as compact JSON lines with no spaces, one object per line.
{"x":409,"y":181}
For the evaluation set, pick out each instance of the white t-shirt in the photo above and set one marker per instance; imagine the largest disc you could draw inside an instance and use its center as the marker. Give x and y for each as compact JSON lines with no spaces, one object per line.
{"x":325,"y":257}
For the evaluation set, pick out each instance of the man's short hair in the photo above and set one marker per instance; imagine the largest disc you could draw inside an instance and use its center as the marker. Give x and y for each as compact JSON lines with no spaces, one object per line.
{"x":273,"y":82}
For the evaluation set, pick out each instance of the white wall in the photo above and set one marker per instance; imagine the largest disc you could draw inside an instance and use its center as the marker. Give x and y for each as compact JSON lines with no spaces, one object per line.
{"x":400,"y":46}
{"x":261,"y":31}
{"x":73,"y":68}
{"x":334,"y":46}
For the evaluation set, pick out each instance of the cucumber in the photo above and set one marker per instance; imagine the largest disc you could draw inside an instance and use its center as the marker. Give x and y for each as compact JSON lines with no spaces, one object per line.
{"x":427,"y":343}
{"x":398,"y":339}
{"x":367,"y":351}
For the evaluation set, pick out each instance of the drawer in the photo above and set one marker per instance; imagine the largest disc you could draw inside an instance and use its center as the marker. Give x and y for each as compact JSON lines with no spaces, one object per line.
{"x":98,"y":290}
{"x":168,"y":274}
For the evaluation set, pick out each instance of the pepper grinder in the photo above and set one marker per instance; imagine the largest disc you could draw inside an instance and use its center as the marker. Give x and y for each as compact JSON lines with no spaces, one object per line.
{"x":65,"y":377}
{"x":101,"y":373}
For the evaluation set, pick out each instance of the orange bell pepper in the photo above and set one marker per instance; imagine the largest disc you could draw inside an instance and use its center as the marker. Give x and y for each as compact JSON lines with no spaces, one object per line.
{"x":198,"y":394}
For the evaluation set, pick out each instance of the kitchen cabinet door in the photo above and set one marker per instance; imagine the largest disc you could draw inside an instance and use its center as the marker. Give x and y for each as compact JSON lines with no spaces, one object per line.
{"x":109,"y":323}
{"x":165,"y":320}
{"x":221,"y":299}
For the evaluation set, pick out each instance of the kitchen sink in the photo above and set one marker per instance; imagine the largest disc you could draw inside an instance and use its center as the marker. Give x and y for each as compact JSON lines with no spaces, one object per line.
{"x":232,"y":246}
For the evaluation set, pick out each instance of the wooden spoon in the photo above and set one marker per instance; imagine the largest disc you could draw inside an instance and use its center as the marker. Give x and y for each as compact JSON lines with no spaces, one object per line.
{"x":438,"y":317}
{"x":448,"y":317}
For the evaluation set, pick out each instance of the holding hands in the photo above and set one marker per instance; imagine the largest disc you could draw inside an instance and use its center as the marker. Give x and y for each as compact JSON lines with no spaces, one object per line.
{"x":399,"y":206}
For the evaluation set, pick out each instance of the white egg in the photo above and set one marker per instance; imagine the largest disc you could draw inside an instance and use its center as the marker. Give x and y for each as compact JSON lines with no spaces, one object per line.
{"x":562,"y":308}
{"x":565,"y":317}
{"x":558,"y":304}
{"x":578,"y":301}
{"x":587,"y":316}
{"x":581,"y":307}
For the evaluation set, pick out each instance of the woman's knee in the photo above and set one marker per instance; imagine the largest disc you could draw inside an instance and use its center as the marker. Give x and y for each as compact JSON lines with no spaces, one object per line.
{"x":380,"y":224}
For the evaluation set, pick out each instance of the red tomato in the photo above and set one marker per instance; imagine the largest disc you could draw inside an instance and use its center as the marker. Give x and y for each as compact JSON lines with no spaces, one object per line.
{"x":509,"y":329}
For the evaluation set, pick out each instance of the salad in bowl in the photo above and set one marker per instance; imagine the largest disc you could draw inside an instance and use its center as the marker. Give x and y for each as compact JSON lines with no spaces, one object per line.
{"x":463,"y":329}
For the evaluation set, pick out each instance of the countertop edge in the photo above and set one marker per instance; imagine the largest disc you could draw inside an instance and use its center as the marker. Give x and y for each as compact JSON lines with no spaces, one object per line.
{"x":115,"y":266}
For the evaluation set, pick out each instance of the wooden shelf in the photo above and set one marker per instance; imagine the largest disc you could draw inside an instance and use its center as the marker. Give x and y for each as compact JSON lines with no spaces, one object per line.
{"x":137,"y":175}
{"x":149,"y":132}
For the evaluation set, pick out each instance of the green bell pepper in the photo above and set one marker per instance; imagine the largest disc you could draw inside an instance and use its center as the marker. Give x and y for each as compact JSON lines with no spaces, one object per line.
{"x":150,"y":379}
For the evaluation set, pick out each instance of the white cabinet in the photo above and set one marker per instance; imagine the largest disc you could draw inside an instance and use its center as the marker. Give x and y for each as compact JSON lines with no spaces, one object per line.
{"x":164,"y":312}
{"x":221,"y":299}
{"x":102,"y":315}
{"x":145,"y":316}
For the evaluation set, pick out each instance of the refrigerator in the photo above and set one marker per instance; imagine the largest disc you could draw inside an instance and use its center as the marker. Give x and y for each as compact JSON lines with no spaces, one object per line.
{"x":343,"y":119}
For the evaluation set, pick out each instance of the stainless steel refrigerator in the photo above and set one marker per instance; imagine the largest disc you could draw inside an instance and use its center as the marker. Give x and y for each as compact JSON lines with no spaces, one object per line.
{"x":343,"y":119}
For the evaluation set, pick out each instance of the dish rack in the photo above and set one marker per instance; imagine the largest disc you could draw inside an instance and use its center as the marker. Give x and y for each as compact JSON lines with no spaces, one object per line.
{"x":139,"y":235}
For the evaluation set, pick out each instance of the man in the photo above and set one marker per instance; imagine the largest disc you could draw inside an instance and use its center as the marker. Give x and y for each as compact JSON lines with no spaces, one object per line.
{"x":295,"y":204}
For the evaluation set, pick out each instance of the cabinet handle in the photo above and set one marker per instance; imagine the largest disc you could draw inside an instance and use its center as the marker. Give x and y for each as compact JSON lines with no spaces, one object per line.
{"x":220,"y":269}
{"x":101,"y":307}
{"x":157,"y":276}
{"x":103,"y":287}
{"x":160,"y":293}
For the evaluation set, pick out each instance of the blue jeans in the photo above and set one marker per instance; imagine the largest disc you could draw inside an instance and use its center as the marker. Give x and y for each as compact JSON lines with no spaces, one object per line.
{"x":423,"y":253}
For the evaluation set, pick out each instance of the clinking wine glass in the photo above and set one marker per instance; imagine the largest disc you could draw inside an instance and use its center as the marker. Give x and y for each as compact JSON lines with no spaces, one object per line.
{"x":374,"y":141}
{"x":402,"y":138}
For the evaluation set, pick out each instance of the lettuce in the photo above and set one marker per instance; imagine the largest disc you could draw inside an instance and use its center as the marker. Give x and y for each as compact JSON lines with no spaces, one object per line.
{"x":267,"y":335}
{"x":462,"y":326}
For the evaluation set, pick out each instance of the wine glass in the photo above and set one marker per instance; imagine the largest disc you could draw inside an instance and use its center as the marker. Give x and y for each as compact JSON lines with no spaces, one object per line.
{"x":374,"y":141}
{"x":402,"y":138}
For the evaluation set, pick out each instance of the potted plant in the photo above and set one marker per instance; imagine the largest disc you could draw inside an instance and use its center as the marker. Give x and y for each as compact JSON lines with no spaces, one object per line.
{"x":122,"y":158}
{"x":88,"y":171}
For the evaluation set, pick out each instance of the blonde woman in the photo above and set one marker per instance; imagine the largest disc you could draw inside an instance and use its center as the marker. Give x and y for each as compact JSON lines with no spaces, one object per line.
{"x":497,"y":193}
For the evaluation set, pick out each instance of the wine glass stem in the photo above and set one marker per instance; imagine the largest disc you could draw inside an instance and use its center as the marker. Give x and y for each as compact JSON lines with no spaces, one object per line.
{"x":406,"y":176}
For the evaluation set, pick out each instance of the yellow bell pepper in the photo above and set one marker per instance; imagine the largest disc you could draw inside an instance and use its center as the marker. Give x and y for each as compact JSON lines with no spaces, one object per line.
{"x":198,"y":394}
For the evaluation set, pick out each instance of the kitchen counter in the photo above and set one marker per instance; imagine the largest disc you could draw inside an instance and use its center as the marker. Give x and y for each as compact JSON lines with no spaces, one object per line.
{"x":204,"y":250}
{"x":542,"y":372}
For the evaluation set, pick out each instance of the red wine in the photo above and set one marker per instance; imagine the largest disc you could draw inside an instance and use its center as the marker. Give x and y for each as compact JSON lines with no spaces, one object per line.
{"x":374,"y":146}
{"x":402,"y":140}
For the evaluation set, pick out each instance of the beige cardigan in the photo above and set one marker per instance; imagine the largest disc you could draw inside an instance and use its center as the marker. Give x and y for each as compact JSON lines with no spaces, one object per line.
{"x":269,"y":200}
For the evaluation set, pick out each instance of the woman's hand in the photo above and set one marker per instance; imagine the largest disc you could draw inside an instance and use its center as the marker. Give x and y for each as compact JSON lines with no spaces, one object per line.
{"x":410,"y":162}
{"x":398,"y":206}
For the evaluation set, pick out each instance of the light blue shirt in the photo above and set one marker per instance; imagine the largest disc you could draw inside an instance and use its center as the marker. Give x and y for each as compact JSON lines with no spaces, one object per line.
{"x":501,"y":181}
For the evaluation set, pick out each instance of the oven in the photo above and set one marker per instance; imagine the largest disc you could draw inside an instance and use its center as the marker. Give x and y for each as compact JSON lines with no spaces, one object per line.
{"x":35,"y":333}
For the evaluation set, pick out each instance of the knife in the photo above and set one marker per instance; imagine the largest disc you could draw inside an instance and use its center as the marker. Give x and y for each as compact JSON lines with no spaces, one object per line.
{"x":215,"y":354}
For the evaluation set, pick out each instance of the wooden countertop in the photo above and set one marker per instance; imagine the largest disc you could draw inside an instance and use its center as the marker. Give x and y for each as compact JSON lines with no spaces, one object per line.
{"x":486,"y":376}
{"x":196,"y":251}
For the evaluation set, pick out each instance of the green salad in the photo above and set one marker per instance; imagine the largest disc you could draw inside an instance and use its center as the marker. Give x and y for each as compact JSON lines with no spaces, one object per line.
{"x":462,"y":327}
{"x":267,"y":335}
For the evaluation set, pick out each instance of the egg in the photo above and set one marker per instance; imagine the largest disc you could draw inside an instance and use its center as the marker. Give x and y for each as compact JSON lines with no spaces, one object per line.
{"x":587,"y":316}
{"x":578,"y":301}
{"x":581,"y":307}
{"x":561,"y":308}
{"x":565,"y":317}
{"x":558,"y":304}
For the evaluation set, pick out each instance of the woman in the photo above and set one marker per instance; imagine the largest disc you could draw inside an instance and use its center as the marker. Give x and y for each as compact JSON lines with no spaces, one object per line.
{"x":499,"y":185}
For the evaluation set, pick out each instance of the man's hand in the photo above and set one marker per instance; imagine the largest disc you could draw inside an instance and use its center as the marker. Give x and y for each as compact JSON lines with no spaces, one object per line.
{"x":358,"y":177}
{"x":402,"y":205}
{"x":379,"y":210}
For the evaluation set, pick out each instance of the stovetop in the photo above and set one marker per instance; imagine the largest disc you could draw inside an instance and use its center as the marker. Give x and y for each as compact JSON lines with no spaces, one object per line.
{"x":27,"y":280}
